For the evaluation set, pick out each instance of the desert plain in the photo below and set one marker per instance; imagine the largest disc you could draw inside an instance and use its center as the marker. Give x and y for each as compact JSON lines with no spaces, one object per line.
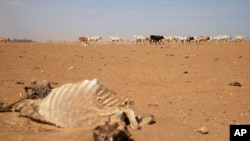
{"x":186,"y":87}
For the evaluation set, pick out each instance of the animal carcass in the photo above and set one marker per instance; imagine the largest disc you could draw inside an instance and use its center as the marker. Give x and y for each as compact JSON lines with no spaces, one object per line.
{"x":84,"y":104}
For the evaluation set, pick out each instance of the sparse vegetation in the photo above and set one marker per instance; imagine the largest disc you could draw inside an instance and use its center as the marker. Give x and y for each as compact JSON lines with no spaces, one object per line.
{"x":22,"y":40}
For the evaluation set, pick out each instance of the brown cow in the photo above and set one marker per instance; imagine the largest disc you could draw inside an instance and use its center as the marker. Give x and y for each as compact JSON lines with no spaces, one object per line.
{"x":83,"y":39}
{"x":4,"y":39}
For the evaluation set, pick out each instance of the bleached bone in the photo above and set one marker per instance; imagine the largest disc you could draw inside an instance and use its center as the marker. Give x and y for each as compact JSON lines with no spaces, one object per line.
{"x":84,"y":104}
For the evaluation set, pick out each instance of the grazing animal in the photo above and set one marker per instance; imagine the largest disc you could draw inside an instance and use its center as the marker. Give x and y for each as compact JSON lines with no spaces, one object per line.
{"x":154,"y":39}
{"x":84,"y":104}
{"x":185,"y":39}
{"x":170,"y":38}
{"x":212,"y":38}
{"x":240,"y":38}
{"x":140,"y":39}
{"x":4,"y":39}
{"x":220,"y":38}
{"x":182,"y":39}
{"x":191,"y":39}
{"x":83,"y":39}
{"x":201,"y":39}
{"x":94,"y":38}
{"x":114,"y":39}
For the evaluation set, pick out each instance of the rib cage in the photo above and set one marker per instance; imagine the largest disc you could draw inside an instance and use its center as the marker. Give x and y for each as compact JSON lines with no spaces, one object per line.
{"x":107,"y":98}
{"x":80,"y":104}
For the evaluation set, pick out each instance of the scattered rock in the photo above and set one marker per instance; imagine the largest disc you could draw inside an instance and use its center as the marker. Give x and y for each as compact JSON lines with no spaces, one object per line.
{"x":154,"y":105}
{"x":169,"y":54}
{"x":235,"y":84}
{"x":71,"y":68}
{"x":19,"y":83}
{"x":36,"y":68}
{"x":203,"y":130}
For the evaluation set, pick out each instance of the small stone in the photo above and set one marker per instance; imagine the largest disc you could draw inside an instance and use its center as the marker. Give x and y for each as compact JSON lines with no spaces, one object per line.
{"x":203,"y":130}
{"x":19,"y":83}
{"x":235,"y":84}
{"x":71,"y":67}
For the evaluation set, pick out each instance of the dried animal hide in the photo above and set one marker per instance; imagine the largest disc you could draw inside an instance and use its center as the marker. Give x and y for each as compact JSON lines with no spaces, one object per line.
{"x":84,"y":104}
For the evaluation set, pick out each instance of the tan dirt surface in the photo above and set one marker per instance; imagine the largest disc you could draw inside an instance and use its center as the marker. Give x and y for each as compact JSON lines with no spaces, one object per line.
{"x":185,"y":87}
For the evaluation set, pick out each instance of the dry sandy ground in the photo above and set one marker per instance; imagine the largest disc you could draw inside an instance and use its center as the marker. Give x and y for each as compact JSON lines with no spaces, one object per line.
{"x":184,"y":87}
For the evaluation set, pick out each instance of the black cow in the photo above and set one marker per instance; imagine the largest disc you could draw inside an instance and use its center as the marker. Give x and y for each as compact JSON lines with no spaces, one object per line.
{"x":190,"y":39}
{"x":154,"y":39}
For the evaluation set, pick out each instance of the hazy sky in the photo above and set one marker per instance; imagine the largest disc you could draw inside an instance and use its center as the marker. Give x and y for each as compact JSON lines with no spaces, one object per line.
{"x":44,"y":20}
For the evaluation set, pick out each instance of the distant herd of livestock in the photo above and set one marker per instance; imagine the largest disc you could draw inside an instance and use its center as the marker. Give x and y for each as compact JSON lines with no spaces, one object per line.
{"x":157,"y":39}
